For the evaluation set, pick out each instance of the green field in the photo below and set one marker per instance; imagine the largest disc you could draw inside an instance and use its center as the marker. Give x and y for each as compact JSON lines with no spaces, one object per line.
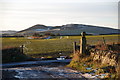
{"x":51,"y":47}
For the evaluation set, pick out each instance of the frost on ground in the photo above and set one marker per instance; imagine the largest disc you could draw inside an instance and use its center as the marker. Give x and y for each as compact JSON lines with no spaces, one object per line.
{"x":40,"y":72}
{"x":46,"y":72}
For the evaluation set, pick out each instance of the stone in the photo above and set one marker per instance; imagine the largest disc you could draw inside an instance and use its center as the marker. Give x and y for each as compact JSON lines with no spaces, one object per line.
{"x":83,"y":44}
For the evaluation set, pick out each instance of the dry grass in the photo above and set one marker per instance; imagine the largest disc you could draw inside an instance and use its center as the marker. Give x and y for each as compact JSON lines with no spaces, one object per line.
{"x":79,"y":61}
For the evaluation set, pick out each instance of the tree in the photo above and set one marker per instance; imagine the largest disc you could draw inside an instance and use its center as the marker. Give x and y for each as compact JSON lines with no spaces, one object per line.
{"x":58,"y":34}
{"x":37,"y":35}
{"x":49,"y":34}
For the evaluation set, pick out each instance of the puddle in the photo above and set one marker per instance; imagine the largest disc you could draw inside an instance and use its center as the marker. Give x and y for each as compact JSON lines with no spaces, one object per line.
{"x":88,"y":68}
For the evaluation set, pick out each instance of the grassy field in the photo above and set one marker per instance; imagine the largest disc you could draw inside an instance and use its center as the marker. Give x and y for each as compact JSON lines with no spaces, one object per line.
{"x":51,"y":47}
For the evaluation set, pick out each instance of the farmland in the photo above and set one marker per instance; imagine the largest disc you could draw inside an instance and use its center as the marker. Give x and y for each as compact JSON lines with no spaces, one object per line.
{"x":51,"y":47}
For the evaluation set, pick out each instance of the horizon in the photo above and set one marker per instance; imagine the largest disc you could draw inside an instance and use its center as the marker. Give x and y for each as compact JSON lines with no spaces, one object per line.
{"x":60,"y":25}
{"x":21,"y":14}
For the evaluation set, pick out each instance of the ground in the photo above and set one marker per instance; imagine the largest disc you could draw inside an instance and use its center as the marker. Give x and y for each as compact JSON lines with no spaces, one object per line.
{"x":51,"y":72}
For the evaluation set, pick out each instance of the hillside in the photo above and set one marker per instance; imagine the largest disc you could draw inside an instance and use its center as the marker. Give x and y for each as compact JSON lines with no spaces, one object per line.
{"x":8,"y":32}
{"x":4,"y":33}
{"x":69,"y":29}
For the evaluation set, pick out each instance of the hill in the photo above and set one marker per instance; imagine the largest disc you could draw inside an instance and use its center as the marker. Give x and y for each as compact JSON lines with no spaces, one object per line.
{"x":7,"y":33}
{"x":69,"y":29}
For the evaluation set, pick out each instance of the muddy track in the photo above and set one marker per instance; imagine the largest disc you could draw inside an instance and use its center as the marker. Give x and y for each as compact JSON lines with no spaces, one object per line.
{"x":41,"y":72}
{"x":37,"y":71}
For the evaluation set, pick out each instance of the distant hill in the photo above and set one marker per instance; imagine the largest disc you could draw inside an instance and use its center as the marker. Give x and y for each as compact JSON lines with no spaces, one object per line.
{"x":69,"y":29}
{"x":7,"y":32}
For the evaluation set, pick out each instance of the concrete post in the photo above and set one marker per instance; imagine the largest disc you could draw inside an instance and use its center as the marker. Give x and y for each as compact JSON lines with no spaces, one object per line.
{"x":74,"y":47}
{"x":83,"y":43}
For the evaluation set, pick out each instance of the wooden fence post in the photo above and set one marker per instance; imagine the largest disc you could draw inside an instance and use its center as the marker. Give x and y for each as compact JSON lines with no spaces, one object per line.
{"x":74,"y":47}
{"x":21,"y":48}
{"x":83,"y":43}
{"x":104,"y":42}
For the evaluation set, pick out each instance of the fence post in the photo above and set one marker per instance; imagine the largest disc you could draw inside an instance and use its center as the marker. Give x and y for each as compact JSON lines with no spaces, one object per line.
{"x":83,"y":43}
{"x":74,"y":47}
{"x":21,"y":48}
{"x":104,"y":42}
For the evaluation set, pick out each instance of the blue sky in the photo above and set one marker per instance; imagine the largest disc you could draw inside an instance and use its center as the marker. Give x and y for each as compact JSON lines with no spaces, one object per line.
{"x":21,"y":14}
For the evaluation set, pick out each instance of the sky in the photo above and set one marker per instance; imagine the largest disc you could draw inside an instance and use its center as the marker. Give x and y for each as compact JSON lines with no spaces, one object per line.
{"x":22,"y":14}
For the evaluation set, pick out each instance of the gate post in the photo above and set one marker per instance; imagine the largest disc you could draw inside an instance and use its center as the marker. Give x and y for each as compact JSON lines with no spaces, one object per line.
{"x":21,"y":49}
{"x":83,"y":44}
{"x":74,"y":47}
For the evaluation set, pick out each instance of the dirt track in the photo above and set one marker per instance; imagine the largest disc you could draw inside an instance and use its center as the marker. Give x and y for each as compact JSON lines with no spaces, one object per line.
{"x":50,"y":70}
{"x":41,"y":72}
